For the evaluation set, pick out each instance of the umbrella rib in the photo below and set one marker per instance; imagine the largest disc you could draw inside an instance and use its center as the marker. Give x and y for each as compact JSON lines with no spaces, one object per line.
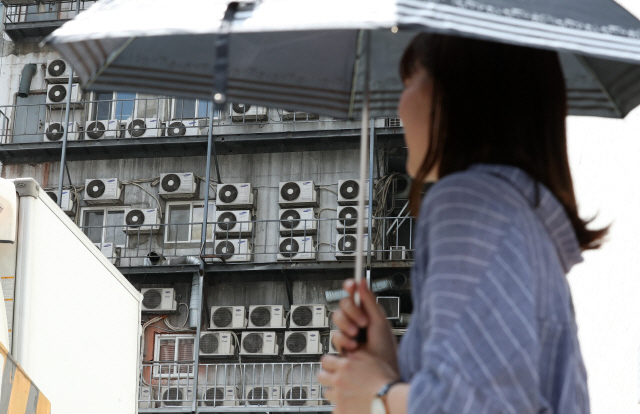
{"x":109,"y":61}
{"x":604,"y":90}
{"x":354,"y":81}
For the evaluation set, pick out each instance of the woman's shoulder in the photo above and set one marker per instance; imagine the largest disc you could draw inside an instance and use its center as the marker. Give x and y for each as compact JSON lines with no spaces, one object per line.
{"x":470,"y":193}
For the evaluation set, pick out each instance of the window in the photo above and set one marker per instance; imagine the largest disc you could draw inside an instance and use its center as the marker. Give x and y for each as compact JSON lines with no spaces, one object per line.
{"x":175,"y":352}
{"x":113,"y":105}
{"x":192,"y":109}
{"x":147,"y":106}
{"x":184,"y":220}
{"x":104,"y":225}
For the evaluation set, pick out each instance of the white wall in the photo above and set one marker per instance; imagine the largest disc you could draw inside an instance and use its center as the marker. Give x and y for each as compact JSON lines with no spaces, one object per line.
{"x":604,"y":156}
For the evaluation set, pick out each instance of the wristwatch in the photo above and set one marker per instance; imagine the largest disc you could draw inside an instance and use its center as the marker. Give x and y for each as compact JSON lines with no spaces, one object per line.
{"x":379,"y":403}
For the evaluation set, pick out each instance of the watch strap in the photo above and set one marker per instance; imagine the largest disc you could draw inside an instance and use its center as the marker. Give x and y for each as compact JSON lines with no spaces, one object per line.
{"x":386,"y":387}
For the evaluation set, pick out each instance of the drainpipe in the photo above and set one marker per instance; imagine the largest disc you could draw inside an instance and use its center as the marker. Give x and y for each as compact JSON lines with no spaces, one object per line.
{"x":25,"y":80}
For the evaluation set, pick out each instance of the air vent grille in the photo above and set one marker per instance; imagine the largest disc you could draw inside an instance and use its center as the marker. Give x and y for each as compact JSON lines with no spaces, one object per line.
{"x":290,"y":219}
{"x":209,"y":343}
{"x":289,"y":248}
{"x":290,"y":191}
{"x":172,"y":397}
{"x":349,"y":189}
{"x":296,"y":396}
{"x":297,"y":342}
{"x":253,"y":342}
{"x":222,"y":317}
{"x":302,"y":316}
{"x":96,"y":188}
{"x":152,"y":299}
{"x":170,"y":182}
{"x":214,"y":396}
{"x":225,"y":249}
{"x":260,"y":316}
{"x":55,"y":132}
{"x":258,"y":396}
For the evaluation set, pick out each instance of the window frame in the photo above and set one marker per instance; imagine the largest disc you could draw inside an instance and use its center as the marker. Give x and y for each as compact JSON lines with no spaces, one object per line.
{"x":191,"y":204}
{"x":174,"y":107}
{"x":175,"y":369}
{"x":113,"y":106}
{"x":105,"y":210}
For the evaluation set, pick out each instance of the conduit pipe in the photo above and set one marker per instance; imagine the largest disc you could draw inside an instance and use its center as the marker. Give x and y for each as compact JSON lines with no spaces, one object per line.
{"x":25,"y":80}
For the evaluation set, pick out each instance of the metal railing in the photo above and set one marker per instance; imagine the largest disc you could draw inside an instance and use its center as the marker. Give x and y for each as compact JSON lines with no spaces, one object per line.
{"x":224,"y":385}
{"x":150,"y":117}
{"x":44,"y":12}
{"x":260,"y":241}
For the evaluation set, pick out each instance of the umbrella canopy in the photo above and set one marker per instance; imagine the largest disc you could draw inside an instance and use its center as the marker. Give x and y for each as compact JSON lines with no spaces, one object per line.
{"x":308,"y":55}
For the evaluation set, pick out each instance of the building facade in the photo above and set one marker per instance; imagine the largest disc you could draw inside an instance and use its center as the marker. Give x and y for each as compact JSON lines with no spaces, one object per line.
{"x":280,"y":234}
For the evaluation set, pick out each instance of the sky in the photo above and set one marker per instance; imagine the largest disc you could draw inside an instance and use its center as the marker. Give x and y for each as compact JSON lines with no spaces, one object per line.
{"x":605,"y":159}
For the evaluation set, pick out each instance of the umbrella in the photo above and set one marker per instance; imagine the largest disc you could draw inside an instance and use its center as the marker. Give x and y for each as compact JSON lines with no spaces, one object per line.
{"x":275,"y":46}
{"x":338,"y":57}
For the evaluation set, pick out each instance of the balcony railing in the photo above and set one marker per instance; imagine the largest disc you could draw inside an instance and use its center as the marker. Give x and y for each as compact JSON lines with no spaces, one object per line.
{"x":246,"y":387}
{"x":153,"y":117}
{"x":42,"y":12}
{"x":257,"y":241}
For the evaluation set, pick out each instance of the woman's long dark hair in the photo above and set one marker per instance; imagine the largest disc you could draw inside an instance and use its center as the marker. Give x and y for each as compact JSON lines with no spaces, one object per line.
{"x":499,"y":104}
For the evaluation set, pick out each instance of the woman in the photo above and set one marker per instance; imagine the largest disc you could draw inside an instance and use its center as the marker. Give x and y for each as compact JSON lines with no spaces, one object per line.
{"x":493,"y":328}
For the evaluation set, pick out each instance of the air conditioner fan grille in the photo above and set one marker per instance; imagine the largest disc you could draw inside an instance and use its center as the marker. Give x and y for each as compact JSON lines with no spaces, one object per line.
{"x":289,"y":248}
{"x":53,"y":196}
{"x":227,"y":221}
{"x":258,"y":396}
{"x":290,"y":191}
{"x":302,"y":316}
{"x":260,"y":316}
{"x":347,"y":244}
{"x":152,"y":299}
{"x":241,"y":108}
{"x":225,"y":249}
{"x":228,"y":193}
{"x":57,"y":67}
{"x":55,"y":131}
{"x":135,"y":218}
{"x":297,"y":342}
{"x":177,"y":129}
{"x":209,"y":343}
{"x":348,"y":216}
{"x":290,"y":219}
{"x":214,"y":396}
{"x":170,"y":182}
{"x":349,"y":189}
{"x":95,"y":130}
{"x":172,"y":397}
{"x":57,"y":93}
{"x":95,"y":188}
{"x":252,"y":343}
{"x":296,"y":396}
{"x":137,"y":128}
{"x":222,"y":317}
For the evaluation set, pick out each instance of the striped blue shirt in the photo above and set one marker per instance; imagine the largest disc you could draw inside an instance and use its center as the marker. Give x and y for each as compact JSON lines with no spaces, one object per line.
{"x":493,"y":328}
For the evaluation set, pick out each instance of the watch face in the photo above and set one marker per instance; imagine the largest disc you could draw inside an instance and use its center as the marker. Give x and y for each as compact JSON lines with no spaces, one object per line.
{"x":377,"y":406}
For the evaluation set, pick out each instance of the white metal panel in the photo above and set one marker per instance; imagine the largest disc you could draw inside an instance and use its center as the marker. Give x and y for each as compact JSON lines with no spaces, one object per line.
{"x":102,"y":306}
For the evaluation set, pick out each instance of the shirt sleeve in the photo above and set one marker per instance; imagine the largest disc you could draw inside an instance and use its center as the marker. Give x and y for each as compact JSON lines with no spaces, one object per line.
{"x":481,"y":347}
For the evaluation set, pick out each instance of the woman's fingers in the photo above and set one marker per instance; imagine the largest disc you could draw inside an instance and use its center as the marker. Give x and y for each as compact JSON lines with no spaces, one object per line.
{"x":353,"y":312}
{"x":346,"y":325}
{"x":342,"y":342}
{"x":350,"y":286}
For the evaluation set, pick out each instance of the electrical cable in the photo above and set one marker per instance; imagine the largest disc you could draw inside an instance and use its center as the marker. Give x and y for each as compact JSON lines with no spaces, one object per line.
{"x":182,"y":327}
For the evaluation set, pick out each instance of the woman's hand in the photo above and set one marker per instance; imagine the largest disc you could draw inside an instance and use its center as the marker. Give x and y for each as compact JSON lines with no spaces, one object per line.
{"x":349,"y":318}
{"x":354,"y":380}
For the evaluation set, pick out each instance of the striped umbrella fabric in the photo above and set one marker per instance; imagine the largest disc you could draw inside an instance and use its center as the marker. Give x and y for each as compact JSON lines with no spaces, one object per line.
{"x":309,"y":55}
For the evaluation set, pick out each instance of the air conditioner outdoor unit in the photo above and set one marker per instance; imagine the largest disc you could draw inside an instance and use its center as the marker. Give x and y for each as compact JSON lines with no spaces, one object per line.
{"x":111,"y":252}
{"x":67,"y":205}
{"x":54,"y":131}
{"x":298,"y":116}
{"x":178,"y":185}
{"x":233,"y":222}
{"x":58,"y":71}
{"x":296,"y":248}
{"x":57,"y":95}
{"x":147,"y":398}
{"x":346,"y":245}
{"x":159,"y":300}
{"x":141,"y":220}
{"x":242,"y":113}
{"x":217,"y":344}
{"x":298,"y":194}
{"x":302,"y":343}
{"x":228,"y":317}
{"x":184,"y":128}
{"x":332,"y":347}
{"x":391,"y":306}
{"x":143,"y":128}
{"x":294,"y":221}
{"x":309,"y":316}
{"x":397,"y":253}
{"x":103,"y":191}
{"x":266,"y":316}
{"x":348,"y":219}
{"x":393,"y":123}
{"x":220,"y":396}
{"x":349,"y":192}
{"x":302,"y":395}
{"x":107,"y":129}
{"x":175,"y":396}
{"x":263,"y":396}
{"x":233,"y":250}
{"x":234,"y":196}
{"x":259,"y":343}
